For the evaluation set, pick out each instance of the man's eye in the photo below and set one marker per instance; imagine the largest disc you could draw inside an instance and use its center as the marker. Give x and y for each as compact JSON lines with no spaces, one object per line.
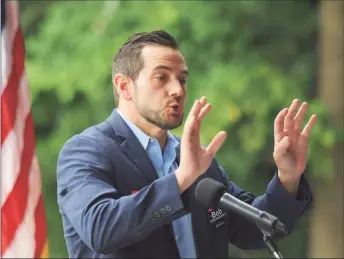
{"x":161,"y":78}
{"x":183,"y":81}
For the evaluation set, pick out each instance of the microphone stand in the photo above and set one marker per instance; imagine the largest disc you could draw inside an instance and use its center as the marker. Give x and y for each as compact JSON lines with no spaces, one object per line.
{"x":267,"y":237}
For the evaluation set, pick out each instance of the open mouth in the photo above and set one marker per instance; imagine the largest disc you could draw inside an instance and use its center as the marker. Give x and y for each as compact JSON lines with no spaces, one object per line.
{"x":176,"y":109}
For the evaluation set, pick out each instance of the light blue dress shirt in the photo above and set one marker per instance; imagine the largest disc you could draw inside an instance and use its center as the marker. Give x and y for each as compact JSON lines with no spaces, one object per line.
{"x":164,"y":163}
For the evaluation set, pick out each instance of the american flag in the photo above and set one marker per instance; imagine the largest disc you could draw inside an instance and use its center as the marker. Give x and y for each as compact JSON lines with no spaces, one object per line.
{"x":23,"y":219}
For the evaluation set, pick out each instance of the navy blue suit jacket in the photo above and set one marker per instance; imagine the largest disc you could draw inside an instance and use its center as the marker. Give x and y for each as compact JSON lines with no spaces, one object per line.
{"x":113,"y":204}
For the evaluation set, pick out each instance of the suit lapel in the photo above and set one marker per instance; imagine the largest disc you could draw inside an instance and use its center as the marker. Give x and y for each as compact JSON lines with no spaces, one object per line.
{"x":132,"y":147}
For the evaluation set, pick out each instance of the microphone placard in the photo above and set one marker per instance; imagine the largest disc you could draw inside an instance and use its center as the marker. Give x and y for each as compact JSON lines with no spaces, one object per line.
{"x":217,"y":217}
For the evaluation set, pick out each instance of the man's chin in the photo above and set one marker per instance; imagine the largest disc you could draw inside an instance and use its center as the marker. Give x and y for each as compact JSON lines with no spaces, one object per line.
{"x":171,"y":124}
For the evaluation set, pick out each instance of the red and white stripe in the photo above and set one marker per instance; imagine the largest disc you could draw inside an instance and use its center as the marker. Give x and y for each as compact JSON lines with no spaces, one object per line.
{"x":23,"y":222}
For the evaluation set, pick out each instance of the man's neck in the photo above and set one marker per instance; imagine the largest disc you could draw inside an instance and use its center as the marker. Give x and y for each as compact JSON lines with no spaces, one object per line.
{"x":147,"y":127}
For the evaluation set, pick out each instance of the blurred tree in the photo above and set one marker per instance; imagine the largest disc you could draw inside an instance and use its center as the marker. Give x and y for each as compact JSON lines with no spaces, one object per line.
{"x":327,"y":224}
{"x":251,"y":58}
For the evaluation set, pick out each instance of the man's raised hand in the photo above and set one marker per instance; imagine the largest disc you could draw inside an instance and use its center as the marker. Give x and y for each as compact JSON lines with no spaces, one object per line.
{"x":291,"y":144}
{"x":194,"y":158}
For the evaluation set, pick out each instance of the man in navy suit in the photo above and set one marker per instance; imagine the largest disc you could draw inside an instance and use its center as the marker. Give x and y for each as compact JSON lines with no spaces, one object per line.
{"x":126,"y":186}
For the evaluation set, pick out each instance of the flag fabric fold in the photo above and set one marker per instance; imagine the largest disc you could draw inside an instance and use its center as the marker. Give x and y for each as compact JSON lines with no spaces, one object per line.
{"x":23,"y":220}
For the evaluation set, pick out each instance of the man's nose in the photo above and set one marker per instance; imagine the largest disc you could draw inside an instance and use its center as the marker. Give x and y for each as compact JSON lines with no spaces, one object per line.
{"x":177,"y":89}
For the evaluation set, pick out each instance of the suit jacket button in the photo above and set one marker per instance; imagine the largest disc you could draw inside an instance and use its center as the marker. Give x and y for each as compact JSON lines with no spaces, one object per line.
{"x":168,"y":208}
{"x":157,"y":214}
{"x":162,"y":211}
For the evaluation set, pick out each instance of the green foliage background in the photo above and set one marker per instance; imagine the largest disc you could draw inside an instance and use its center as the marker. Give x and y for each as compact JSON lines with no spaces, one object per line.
{"x":250,"y":58}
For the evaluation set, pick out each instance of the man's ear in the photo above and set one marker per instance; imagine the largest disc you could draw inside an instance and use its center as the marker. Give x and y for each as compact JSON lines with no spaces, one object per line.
{"x":122,"y":84}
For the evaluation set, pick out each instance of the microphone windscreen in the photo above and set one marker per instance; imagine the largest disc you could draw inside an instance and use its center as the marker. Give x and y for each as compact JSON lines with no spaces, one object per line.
{"x":208,"y":192}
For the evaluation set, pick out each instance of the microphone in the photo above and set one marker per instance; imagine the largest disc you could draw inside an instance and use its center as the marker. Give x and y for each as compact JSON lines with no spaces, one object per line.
{"x":212,"y":194}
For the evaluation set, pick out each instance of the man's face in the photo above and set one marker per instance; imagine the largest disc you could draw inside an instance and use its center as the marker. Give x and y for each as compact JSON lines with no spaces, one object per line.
{"x":160,"y":89}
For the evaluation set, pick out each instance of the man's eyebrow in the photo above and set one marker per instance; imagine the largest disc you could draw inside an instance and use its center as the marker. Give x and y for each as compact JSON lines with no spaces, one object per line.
{"x":184,"y":71}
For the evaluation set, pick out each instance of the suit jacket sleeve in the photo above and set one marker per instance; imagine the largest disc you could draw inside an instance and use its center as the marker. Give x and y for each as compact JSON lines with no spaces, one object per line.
{"x":102,"y":217}
{"x":276,"y":201}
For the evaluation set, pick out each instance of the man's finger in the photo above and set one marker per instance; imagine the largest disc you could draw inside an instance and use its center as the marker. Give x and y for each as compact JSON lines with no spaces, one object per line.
{"x":204,"y":111}
{"x":196,"y":107}
{"x":307,"y":130}
{"x":299,"y":117}
{"x":279,"y":122}
{"x":189,"y":129}
{"x":216,"y":143}
{"x":203,"y":100}
{"x":289,"y":118}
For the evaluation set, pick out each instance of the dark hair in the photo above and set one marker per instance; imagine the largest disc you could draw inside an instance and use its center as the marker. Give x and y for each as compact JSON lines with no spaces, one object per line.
{"x":128,"y":60}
